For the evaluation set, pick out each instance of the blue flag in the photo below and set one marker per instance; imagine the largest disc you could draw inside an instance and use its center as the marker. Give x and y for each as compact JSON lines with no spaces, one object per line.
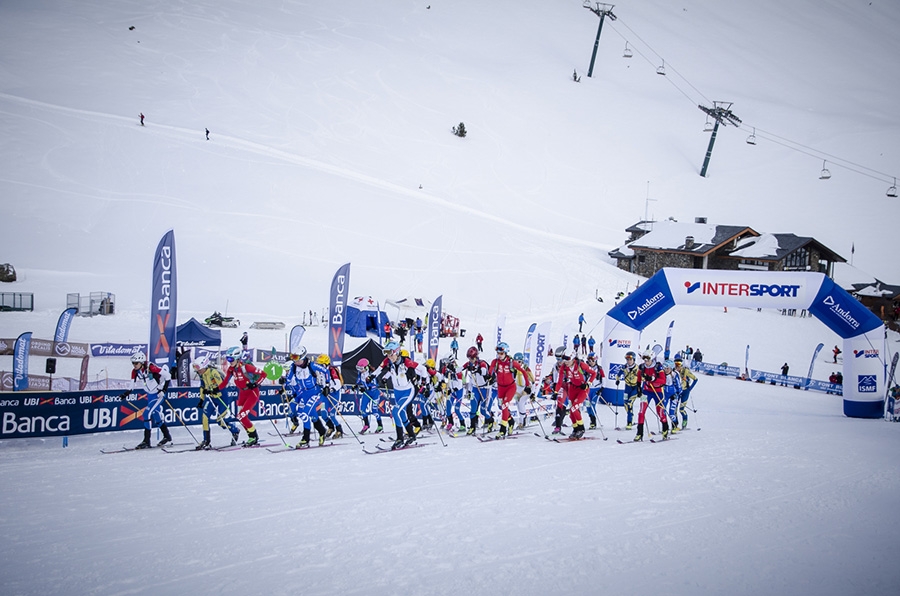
{"x":337,"y":305}
{"x":63,"y":324}
{"x":20,"y":362}
{"x":163,"y":303}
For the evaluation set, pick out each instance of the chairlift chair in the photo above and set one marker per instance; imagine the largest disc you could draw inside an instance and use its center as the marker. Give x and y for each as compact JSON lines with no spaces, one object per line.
{"x":751,"y":140}
{"x":825,"y":174}
{"x":662,"y":69}
{"x":627,"y":53}
{"x":892,"y":190}
{"x":708,"y":127}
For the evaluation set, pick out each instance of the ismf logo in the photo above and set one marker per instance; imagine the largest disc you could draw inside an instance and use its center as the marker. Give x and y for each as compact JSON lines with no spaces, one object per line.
{"x":865,"y":353}
{"x":620,"y":343}
{"x":867,"y":384}
{"x":712,"y":288}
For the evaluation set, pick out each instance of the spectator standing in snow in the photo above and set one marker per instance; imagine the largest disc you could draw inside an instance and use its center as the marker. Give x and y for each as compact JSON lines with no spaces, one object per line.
{"x":580,"y":321}
{"x":479,"y":340}
{"x":784,"y":371}
{"x":142,"y":118}
{"x":454,"y":346}
{"x":207,"y":134}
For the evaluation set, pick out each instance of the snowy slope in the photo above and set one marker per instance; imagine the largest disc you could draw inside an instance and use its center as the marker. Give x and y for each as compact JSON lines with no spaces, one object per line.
{"x":330,"y":142}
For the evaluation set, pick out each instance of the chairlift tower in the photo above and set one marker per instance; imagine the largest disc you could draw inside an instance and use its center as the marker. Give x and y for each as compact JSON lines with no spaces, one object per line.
{"x":602,"y":11}
{"x":721,"y":114}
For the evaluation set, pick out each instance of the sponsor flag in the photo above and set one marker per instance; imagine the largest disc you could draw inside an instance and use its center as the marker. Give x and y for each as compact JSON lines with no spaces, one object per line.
{"x":83,"y":378}
{"x":812,"y":364}
{"x":541,"y":335}
{"x":63,"y":324}
{"x":434,"y":327}
{"x":337,"y":305}
{"x":20,"y":361}
{"x":163,"y":303}
{"x":296,"y":338}
{"x":668,"y":340}
{"x":527,"y":348}
{"x":501,"y":323}
{"x":747,"y":362}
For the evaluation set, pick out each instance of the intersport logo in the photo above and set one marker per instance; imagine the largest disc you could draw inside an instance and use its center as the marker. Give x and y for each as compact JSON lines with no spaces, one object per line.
{"x":718,"y":288}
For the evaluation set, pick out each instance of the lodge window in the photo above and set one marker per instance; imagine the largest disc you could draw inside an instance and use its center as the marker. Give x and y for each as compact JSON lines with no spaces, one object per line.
{"x":797,"y":260}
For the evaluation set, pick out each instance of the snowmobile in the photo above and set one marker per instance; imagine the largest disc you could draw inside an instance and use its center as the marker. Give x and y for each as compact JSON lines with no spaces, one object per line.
{"x":217,"y":320}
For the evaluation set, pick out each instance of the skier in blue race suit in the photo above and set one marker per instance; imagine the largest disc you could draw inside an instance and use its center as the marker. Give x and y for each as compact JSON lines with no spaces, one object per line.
{"x":370,"y":397}
{"x":154,"y":380}
{"x":306,"y":395}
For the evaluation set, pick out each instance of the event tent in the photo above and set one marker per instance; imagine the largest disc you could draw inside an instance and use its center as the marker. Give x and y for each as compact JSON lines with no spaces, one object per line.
{"x":363,"y":315}
{"x":195,"y":334}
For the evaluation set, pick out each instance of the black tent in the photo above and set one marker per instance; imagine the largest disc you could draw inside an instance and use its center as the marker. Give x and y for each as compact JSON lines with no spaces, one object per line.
{"x":370,"y":350}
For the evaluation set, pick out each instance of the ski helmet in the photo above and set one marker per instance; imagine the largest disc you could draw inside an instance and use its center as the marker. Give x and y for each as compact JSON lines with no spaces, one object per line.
{"x":232,"y":354}
{"x":630,"y":354}
{"x":429,"y":363}
{"x":648,"y":355}
{"x":323,"y":359}
{"x":592,"y":357}
{"x":560,"y":353}
{"x":503,"y":347}
{"x":472,"y":352}
{"x":678,"y":358}
{"x":669,"y":364}
{"x":201,"y":362}
{"x":362,"y":365}
{"x":390,"y":348}
{"x":138,"y":358}
{"x":404,"y":353}
{"x":519,"y":357}
{"x":298,"y":353}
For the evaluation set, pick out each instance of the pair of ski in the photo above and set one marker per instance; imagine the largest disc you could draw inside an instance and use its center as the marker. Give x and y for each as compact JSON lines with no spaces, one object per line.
{"x":491,"y":438}
{"x":652,"y":440}
{"x":125,"y":449}
{"x":285,"y":448}
{"x":565,"y":438}
{"x":382,"y":449}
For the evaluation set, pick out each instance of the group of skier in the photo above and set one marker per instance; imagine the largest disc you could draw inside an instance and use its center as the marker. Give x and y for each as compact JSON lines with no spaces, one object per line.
{"x":311,"y":388}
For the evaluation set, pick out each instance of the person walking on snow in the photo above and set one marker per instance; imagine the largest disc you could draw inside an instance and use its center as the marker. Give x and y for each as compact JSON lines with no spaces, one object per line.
{"x":247,"y":379}
{"x":595,"y":388}
{"x":477,"y":382}
{"x":211,"y":400}
{"x":369,"y":396}
{"x":575,"y":377}
{"x":524,"y":390}
{"x":454,"y":347}
{"x":154,"y":380}
{"x":401,"y":371}
{"x":306,"y":396}
{"x":142,"y":118}
{"x":688,"y":380}
{"x":836,"y":351}
{"x":652,"y":379}
{"x":581,"y":321}
{"x":479,"y":340}
{"x":503,"y":369}
{"x":629,"y":373}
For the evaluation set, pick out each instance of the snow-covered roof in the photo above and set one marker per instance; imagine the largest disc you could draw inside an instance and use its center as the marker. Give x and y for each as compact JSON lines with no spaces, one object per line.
{"x":765,"y":245}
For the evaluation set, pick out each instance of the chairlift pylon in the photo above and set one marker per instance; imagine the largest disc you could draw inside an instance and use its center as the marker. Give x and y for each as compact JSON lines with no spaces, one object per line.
{"x":662,"y":69}
{"x":825,"y":174}
{"x":751,"y":140}
{"x":892,"y":190}
{"x":627,"y":53}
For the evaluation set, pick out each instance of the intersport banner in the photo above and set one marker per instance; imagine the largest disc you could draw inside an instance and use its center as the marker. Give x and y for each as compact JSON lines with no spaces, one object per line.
{"x":434,"y":327}
{"x":163,"y":302}
{"x":862,"y":331}
{"x":337,"y":305}
{"x":541,"y":340}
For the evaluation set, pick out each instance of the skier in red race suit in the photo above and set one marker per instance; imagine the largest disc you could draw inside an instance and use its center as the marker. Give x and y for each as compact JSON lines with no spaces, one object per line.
{"x":247,"y":379}
{"x":653,"y":380}
{"x":502,"y":369}
{"x":575,"y":377}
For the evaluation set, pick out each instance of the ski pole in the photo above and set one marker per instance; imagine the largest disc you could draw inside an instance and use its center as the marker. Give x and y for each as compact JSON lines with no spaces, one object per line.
{"x":437,"y":427}
{"x":180,"y":419}
{"x":339,"y":413}
{"x":280,"y":436}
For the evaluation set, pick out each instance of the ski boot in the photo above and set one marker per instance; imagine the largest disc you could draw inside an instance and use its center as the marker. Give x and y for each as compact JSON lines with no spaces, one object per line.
{"x":684,"y":425}
{"x":577,"y":432}
{"x":665,"y":431}
{"x":556,"y":430}
{"x":489,"y":427}
{"x":364,"y":429}
{"x":204,"y":444}
{"x":503,"y":429}
{"x":379,"y":429}
{"x":629,"y":426}
{"x":338,"y":433}
{"x":252,"y":439}
{"x":295,"y":424}
{"x":399,"y":442}
{"x":411,"y":438}
{"x":145,"y":444}
{"x":167,"y":438}
{"x":470,"y":430}
{"x":640,"y":433}
{"x":593,"y":423}
{"x":304,"y":440}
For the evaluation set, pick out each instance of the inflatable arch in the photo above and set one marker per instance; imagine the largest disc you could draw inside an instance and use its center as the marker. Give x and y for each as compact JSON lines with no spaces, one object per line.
{"x":862,"y":332}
